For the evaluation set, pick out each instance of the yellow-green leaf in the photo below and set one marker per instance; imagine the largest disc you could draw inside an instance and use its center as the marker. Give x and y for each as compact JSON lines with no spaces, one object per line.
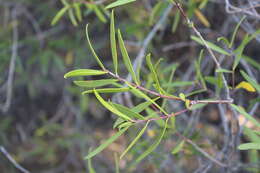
{"x":93,"y":51}
{"x":84,"y":72}
{"x":110,"y":107}
{"x":126,"y":58}
{"x":182,"y":96}
{"x":106,"y":90}
{"x":95,"y":83}
{"x":245,"y":85}
{"x":113,"y":41}
{"x":119,"y":3}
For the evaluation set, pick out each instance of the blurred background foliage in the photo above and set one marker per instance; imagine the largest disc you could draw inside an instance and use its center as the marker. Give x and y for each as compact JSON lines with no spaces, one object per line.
{"x":49,"y":126}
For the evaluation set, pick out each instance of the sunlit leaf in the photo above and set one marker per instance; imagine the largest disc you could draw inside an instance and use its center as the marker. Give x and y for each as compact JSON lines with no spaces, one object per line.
{"x":135,"y":140}
{"x":113,"y":41}
{"x":126,"y":58}
{"x":125,"y":110}
{"x":119,"y":3}
{"x":105,"y":144}
{"x":110,"y":107}
{"x":182,"y":96}
{"x":211,"y":45}
{"x":249,"y":146}
{"x":84,"y":72}
{"x":245,"y":85}
{"x":95,"y":83}
{"x":107,"y":90}
{"x":59,"y":15}
{"x":93,"y":51}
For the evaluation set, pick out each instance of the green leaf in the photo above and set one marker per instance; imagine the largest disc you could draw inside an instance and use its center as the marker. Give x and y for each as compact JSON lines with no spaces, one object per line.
{"x":78,"y":11}
{"x":156,"y":11}
{"x":139,"y":93}
{"x":222,"y":70}
{"x":249,"y":146}
{"x":152,"y":69}
{"x":90,"y":167}
{"x":252,"y":135}
{"x":153,"y":146}
{"x":176,"y":21}
{"x":243,"y":112}
{"x":105,"y":144}
{"x":119,"y":3}
{"x":113,"y":42}
{"x":135,"y":140}
{"x":235,"y":32}
{"x":126,"y":58}
{"x":106,"y":90}
{"x":99,"y":13}
{"x":178,"y":148}
{"x":250,"y":80}
{"x":118,"y":122}
{"x":84,"y":72}
{"x":197,"y":106}
{"x":110,"y":107}
{"x":93,"y":51}
{"x":143,"y":106}
{"x":59,"y":15}
{"x":72,"y":17}
{"x":224,"y":39}
{"x":95,"y":83}
{"x":127,"y":111}
{"x":182,"y":96}
{"x":211,"y":45}
{"x":251,"y":61}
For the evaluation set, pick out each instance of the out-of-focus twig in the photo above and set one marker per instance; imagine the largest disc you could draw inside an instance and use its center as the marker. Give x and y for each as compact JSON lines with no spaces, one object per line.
{"x":9,"y":84}
{"x":11,"y":159}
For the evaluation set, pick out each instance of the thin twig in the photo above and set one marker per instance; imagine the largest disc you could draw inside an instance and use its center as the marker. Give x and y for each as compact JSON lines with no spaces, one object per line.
{"x":9,"y":157}
{"x":9,"y":85}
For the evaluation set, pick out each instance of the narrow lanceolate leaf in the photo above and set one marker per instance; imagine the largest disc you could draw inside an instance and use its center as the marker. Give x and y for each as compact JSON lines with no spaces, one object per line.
{"x":151,"y":68}
{"x":249,"y":146}
{"x":127,"y":111}
{"x":113,"y":42}
{"x":119,"y":3}
{"x":222,"y":70}
{"x":59,"y":15}
{"x":106,"y":90}
{"x":126,"y":58}
{"x":211,"y":45}
{"x":95,"y":83}
{"x":135,"y":140}
{"x":110,"y":107}
{"x":93,"y":51}
{"x":143,"y":106}
{"x":106,"y":144}
{"x":245,"y":85}
{"x":235,"y":32}
{"x":84,"y":72}
{"x":153,"y":146}
{"x":250,"y":80}
{"x":139,"y":93}
{"x":243,"y":112}
{"x":178,"y":148}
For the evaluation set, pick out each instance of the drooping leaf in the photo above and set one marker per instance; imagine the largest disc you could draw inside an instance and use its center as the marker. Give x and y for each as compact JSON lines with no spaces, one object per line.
{"x":105,"y":144}
{"x":106,"y":90}
{"x":243,"y":112}
{"x":235,"y":32}
{"x":95,"y":83}
{"x":143,"y":106}
{"x":245,"y":85}
{"x":135,"y":140}
{"x":126,"y":58}
{"x":249,"y":146}
{"x":110,"y":107}
{"x":119,"y":3}
{"x":93,"y":51}
{"x":202,"y":18}
{"x":90,"y":167}
{"x":78,"y":11}
{"x":127,"y":111}
{"x":84,"y":72}
{"x":113,"y":41}
{"x":72,"y":17}
{"x":250,"y":80}
{"x":153,"y":146}
{"x":178,"y":148}
{"x":211,"y":45}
